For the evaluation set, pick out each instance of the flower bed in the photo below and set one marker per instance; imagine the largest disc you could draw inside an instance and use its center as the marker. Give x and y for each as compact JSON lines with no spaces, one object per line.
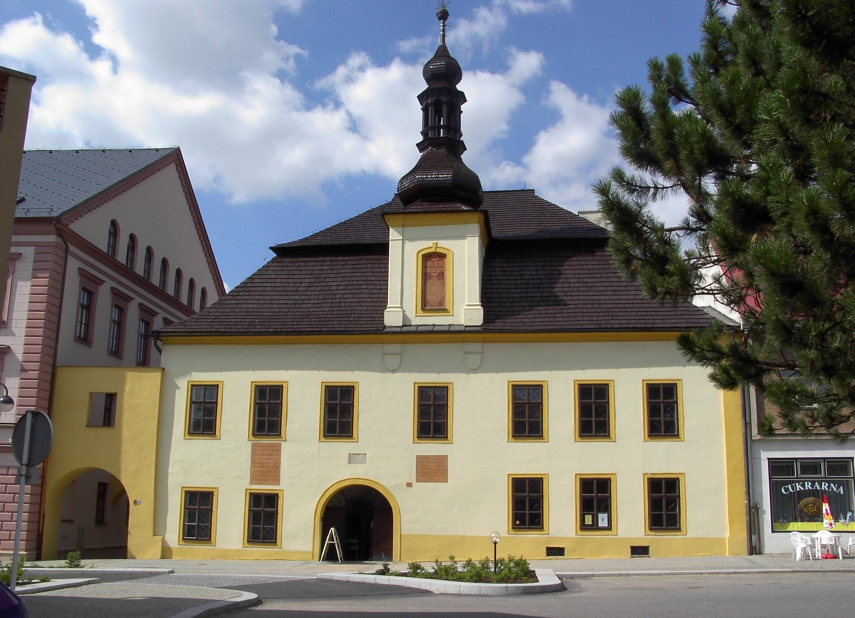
{"x":510,"y":570}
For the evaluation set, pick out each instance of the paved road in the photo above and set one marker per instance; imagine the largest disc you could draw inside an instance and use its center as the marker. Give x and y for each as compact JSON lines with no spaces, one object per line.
{"x":739,"y":596}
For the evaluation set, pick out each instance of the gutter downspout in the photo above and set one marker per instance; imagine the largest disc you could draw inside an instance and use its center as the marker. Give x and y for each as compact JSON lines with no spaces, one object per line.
{"x":745,"y":396}
{"x":41,"y":526}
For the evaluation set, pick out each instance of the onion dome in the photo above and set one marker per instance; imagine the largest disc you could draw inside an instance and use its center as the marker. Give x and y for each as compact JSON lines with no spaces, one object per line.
{"x":441,"y":176}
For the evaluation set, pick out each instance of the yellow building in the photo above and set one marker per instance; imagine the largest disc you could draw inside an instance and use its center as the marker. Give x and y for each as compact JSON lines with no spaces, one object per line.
{"x":448,"y":364}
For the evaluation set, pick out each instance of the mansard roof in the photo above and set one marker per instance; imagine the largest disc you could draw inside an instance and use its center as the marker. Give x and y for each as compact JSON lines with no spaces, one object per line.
{"x":545,"y":270}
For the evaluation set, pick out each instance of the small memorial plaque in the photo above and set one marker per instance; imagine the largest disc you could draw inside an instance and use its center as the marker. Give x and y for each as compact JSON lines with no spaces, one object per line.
{"x":431,"y":468}
{"x":266,"y":463}
{"x":357,"y":458}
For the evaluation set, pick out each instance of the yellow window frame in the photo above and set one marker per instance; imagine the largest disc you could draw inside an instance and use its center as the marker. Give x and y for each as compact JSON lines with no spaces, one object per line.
{"x":181,"y":539}
{"x":279,"y":507}
{"x":282,"y":422}
{"x":216,"y":434}
{"x":680,"y":412}
{"x":416,"y":438}
{"x":449,"y":281}
{"x":545,"y":414}
{"x":612,"y":505}
{"x":681,"y":477}
{"x":576,"y":419}
{"x":355,"y":436}
{"x":528,"y":531}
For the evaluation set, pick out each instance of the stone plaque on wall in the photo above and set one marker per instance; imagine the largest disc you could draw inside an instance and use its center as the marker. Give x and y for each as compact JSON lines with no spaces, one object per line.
{"x":431,"y":468}
{"x":266,"y":462}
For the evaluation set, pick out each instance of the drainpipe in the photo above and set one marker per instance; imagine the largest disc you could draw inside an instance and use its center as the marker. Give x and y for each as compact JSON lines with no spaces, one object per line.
{"x":41,"y":526}
{"x":745,"y":397}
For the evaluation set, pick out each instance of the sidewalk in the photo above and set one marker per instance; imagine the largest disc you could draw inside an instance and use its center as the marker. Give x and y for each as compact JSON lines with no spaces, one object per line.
{"x":577,"y":567}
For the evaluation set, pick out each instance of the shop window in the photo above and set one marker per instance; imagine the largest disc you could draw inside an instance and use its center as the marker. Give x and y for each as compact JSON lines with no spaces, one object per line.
{"x":798,"y":486}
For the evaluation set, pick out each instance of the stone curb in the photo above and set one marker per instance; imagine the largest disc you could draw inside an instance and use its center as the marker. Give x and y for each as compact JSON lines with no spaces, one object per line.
{"x":55,"y":585}
{"x":246,"y":599}
{"x":547,"y":582}
{"x":582,"y":574}
{"x":56,"y":572}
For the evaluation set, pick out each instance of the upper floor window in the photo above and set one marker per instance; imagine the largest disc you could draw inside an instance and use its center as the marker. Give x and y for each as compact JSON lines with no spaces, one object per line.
{"x":203,"y":409}
{"x":433,"y":412}
{"x":131,"y":253}
{"x":203,"y":299}
{"x":164,"y":274}
{"x":143,"y":334}
{"x":117,"y":321}
{"x":339,"y":411}
{"x":434,"y":281}
{"x":112,"y":238}
{"x":268,"y":401}
{"x":84,"y":315}
{"x":594,"y":410}
{"x":147,"y":260}
{"x":176,"y":288}
{"x":102,"y":410}
{"x":191,"y":292}
{"x":662,"y":409}
{"x":527,"y":410}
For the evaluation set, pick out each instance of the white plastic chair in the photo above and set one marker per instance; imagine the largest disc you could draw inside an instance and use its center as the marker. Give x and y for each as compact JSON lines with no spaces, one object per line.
{"x":850,"y":546}
{"x":826,"y":538}
{"x":801,"y":545}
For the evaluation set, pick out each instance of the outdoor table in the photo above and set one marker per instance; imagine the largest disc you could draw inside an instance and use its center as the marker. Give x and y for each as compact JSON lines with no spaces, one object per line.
{"x":830,"y":540}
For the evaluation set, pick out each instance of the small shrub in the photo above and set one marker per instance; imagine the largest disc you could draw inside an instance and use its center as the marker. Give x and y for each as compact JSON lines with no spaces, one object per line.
{"x":445,"y":571}
{"x":415,"y":569}
{"x":6,"y":572}
{"x":384,"y":570}
{"x":74,"y":560}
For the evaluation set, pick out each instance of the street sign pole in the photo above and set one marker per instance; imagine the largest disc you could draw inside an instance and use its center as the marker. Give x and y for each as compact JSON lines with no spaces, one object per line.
{"x":31,"y":442}
{"x":23,"y":476}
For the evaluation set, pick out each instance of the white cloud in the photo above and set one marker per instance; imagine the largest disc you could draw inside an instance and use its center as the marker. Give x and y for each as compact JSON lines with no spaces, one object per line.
{"x":567,"y":157}
{"x":244,"y":128}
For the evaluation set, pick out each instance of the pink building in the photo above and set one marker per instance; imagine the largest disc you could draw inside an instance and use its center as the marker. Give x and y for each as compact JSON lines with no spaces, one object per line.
{"x":107,"y":246}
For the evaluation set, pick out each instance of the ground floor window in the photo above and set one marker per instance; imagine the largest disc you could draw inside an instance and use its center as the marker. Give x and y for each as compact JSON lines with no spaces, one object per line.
{"x":263,"y":518}
{"x":797,"y":488}
{"x":528,"y":503}
{"x":665,"y":504}
{"x":198,"y":515}
{"x":595,"y":501}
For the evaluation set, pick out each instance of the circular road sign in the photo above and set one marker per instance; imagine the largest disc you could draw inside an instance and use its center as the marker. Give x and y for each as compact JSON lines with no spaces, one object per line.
{"x":40,"y":438}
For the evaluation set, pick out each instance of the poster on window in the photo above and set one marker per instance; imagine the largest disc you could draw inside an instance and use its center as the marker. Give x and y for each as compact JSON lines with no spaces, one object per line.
{"x":797,"y":488}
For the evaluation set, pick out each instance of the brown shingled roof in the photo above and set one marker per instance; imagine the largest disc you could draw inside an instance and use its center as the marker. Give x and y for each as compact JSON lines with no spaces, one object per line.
{"x":545,"y":270}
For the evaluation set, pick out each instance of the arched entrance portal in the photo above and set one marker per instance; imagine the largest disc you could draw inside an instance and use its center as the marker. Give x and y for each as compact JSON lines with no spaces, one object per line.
{"x":93,"y":516}
{"x":365,"y":521}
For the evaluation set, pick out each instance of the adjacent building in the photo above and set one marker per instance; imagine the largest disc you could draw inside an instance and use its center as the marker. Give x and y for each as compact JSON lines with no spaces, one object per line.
{"x":107,"y":247}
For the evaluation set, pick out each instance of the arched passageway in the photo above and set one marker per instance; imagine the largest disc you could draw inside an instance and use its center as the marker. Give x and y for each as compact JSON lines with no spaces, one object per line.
{"x":93,"y":516}
{"x":364,"y":520}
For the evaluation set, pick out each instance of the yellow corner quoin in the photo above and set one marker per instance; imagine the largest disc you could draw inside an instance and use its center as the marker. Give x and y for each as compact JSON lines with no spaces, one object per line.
{"x":681,"y":435}
{"x":576,"y":422}
{"x":613,"y":517}
{"x":666,"y":475}
{"x":544,"y":414}
{"x":413,"y":338}
{"x":734,"y":457}
{"x":283,"y":419}
{"x":128,"y":450}
{"x":279,"y":493}
{"x":355,"y":436}
{"x":326,"y":496}
{"x":544,"y":505}
{"x":449,"y":281}
{"x":448,"y":439}
{"x":218,"y":421}
{"x":213,"y":540}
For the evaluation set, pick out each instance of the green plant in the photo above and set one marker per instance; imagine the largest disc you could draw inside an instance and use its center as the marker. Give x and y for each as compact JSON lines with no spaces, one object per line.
{"x":416,"y":569}
{"x":73,"y":560}
{"x":384,"y":570}
{"x":445,"y":571}
{"x":6,"y":572}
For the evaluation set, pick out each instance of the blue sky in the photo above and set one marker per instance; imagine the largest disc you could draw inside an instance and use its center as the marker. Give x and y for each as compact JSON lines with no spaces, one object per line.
{"x":295,"y":114}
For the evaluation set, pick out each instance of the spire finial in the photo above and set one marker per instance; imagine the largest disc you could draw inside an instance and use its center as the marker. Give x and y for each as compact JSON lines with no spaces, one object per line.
{"x":442,"y":16}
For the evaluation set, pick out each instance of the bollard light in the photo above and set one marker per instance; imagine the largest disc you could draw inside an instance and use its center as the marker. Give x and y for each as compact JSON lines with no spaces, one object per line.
{"x":494,"y":537}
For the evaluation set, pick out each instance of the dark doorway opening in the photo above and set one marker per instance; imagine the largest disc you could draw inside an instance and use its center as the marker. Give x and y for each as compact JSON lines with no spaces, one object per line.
{"x":363,"y":519}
